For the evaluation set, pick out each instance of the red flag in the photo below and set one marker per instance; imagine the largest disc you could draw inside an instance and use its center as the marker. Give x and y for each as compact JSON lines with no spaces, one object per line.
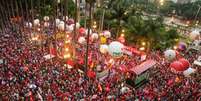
{"x":30,"y":97}
{"x":49,"y":97}
{"x":70,"y":62}
{"x":100,"y":88}
{"x":52,"y":50}
{"x":65,"y":97}
{"x":91,"y":74}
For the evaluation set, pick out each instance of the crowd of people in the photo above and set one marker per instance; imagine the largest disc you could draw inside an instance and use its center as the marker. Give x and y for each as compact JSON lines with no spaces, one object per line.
{"x":26,"y":75}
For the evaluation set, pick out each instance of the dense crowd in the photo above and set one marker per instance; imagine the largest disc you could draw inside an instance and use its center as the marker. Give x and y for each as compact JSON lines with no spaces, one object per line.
{"x":26,"y":75}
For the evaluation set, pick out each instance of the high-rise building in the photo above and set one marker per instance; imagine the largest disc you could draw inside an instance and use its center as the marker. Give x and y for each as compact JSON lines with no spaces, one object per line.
{"x":176,"y":1}
{"x":183,"y":1}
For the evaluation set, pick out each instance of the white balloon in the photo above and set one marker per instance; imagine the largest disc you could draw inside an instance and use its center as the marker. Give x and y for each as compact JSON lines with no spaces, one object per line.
{"x":115,"y":49}
{"x":65,"y":18}
{"x":170,"y":54}
{"x":61,"y":26}
{"x":101,"y":34}
{"x":94,"y":36}
{"x":61,"y":22}
{"x":57,"y":21}
{"x":86,"y":32}
{"x":107,"y":34}
{"x":70,"y":28}
{"x":46,"y":18}
{"x":104,"y":48}
{"x":82,"y":40}
{"x":124,"y":90}
{"x":36,"y":22}
{"x":194,"y":34}
{"x":38,"y":29}
{"x":77,"y":25}
{"x":46,"y":24}
{"x":29,"y":24}
{"x":72,"y":25}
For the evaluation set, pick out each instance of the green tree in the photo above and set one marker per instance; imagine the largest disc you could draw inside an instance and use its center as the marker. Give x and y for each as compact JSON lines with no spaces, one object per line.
{"x":151,"y":30}
{"x":117,"y":13}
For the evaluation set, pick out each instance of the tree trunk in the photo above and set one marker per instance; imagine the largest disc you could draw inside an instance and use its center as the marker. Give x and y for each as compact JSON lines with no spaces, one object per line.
{"x":74,"y":34}
{"x":87,"y":48}
{"x":118,"y":28}
{"x":102,"y":20}
{"x":85,"y":15}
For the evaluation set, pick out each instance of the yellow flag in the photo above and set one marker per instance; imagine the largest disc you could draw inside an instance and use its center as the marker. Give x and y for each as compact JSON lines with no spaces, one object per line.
{"x":103,"y":40}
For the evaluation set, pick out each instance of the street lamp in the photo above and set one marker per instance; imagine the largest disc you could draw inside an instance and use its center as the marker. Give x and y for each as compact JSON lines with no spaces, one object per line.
{"x":143,"y":43}
{"x":161,"y":2}
{"x":197,"y":14}
{"x":94,"y":25}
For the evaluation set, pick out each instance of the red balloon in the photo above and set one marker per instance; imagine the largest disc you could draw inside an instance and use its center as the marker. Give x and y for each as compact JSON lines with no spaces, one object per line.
{"x":121,"y":39}
{"x":70,"y":62}
{"x":178,"y":66}
{"x":82,"y":30}
{"x":185,"y":63}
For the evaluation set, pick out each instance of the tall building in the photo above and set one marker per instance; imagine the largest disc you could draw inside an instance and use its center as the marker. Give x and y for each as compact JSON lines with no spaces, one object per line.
{"x":183,"y":1}
{"x":176,"y":1}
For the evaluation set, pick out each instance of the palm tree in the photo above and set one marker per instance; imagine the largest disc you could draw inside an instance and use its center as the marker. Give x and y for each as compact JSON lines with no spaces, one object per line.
{"x":119,"y":10}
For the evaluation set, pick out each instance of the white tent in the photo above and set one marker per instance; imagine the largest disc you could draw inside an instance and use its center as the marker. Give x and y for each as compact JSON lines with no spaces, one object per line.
{"x":49,"y":56}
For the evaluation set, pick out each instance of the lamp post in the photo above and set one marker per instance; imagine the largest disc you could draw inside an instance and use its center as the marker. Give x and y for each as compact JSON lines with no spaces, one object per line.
{"x":160,"y":3}
{"x":90,"y":2}
{"x":197,"y":14}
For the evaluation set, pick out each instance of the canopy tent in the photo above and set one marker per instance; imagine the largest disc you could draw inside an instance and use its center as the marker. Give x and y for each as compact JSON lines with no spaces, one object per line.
{"x":103,"y":73}
{"x":143,"y":67}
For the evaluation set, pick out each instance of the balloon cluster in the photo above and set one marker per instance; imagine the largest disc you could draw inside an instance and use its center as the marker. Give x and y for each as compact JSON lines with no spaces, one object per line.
{"x":83,"y":33}
{"x":170,"y":54}
{"x":107,"y":34}
{"x":104,"y":48}
{"x":115,"y":49}
{"x":180,"y":65}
